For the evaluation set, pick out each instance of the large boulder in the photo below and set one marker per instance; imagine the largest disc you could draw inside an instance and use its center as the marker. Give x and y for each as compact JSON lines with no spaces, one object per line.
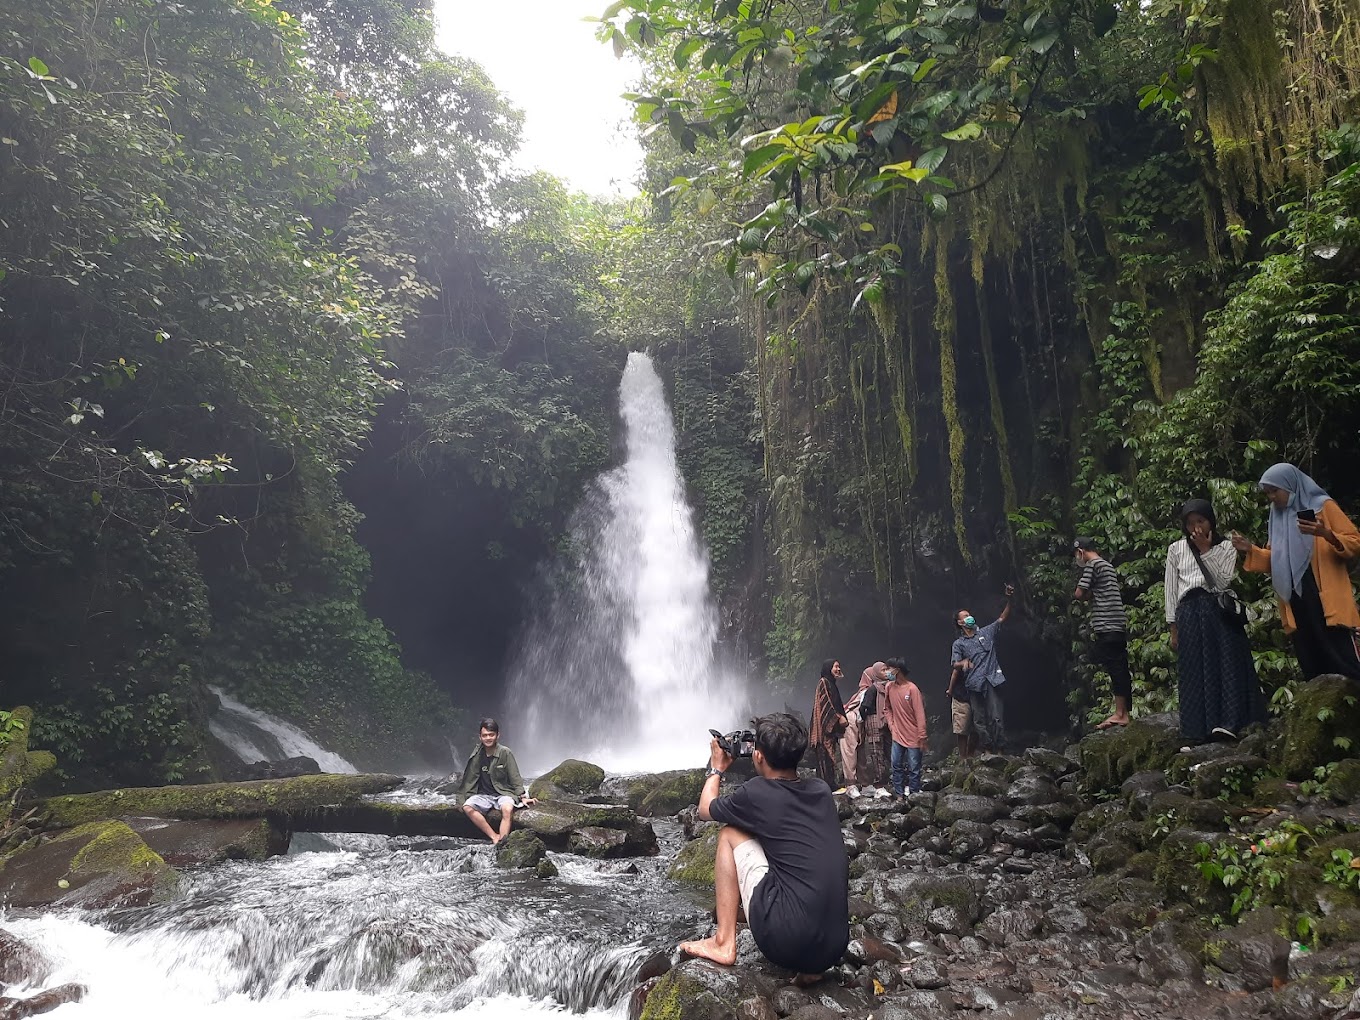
{"x":214,"y":800}
{"x":520,"y":849}
{"x":20,"y":963}
{"x":952,"y":807}
{"x":571,"y":780}
{"x":1111,"y":756}
{"x":1320,"y":726}
{"x":694,"y":862}
{"x":98,"y":864}
{"x":655,"y":795}
{"x":183,"y":844}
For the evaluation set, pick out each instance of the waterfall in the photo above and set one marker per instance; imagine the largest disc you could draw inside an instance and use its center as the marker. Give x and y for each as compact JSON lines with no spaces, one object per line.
{"x":257,"y":736}
{"x":617,"y":660}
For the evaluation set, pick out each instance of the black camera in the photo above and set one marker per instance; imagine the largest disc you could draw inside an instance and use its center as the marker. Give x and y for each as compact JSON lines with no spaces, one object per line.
{"x":738,"y":743}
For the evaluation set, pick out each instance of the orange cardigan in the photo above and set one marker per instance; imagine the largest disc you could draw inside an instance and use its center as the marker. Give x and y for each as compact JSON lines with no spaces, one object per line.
{"x":1329,"y":569}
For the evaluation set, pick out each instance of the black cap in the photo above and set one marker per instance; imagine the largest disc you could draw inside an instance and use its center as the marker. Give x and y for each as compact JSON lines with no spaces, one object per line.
{"x":1083,"y":544}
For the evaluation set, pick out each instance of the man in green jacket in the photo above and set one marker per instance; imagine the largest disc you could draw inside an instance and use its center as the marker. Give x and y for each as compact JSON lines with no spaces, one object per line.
{"x":491,"y":781}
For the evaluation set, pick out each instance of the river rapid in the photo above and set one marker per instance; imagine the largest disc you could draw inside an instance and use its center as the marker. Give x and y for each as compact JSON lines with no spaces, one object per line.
{"x":360,"y":927}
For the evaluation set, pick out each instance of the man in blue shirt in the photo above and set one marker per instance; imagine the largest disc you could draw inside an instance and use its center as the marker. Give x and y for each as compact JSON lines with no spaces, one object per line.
{"x":973,"y":658}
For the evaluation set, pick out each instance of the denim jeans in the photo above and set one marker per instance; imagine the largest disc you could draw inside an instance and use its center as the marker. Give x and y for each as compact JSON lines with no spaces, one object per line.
{"x":906,"y":768}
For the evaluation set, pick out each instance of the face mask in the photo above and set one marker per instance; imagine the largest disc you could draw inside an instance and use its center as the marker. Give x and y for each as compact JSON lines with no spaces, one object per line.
{"x":968,"y":621}
{"x":890,"y":673}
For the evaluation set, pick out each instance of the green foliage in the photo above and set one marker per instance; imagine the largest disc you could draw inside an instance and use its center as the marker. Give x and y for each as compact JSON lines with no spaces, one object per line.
{"x":1251,"y":869}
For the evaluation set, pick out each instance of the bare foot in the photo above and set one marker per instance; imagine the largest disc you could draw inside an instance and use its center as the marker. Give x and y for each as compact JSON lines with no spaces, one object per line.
{"x":1113,"y":720}
{"x":496,"y":839}
{"x":803,"y":980}
{"x":711,"y":949}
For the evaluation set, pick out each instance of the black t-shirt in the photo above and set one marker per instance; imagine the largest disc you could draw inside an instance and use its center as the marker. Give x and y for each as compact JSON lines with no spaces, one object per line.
{"x":800,"y":912}
{"x":484,"y":784}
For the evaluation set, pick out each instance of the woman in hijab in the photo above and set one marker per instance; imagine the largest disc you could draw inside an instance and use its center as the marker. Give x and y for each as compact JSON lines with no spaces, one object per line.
{"x":1311,"y":542}
{"x":1219,"y":692}
{"x":828,"y":721}
{"x":864,"y":754}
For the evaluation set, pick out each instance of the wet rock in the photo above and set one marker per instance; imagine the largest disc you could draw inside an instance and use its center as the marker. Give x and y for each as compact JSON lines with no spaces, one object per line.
{"x":1178,"y":873}
{"x":984,"y":782}
{"x":1089,"y":822}
{"x":867,"y":864}
{"x":1231,"y":776}
{"x":789,"y":1000}
{"x":948,"y":921}
{"x":927,"y":972}
{"x":637,"y":999}
{"x":1343,"y":784}
{"x":217,"y":800}
{"x":658,"y":794}
{"x":520,"y":849}
{"x":913,"y":895}
{"x":815,"y":1011}
{"x":1259,"y":959}
{"x":919,"y":817}
{"x":1307,"y":999}
{"x":20,"y":767}
{"x":1006,"y":927}
{"x":1067,"y":919}
{"x":885,"y":927}
{"x":183,"y":844}
{"x":594,"y":841}
{"x":953,"y":807}
{"x":696,"y":990}
{"x":99,"y":864}
{"x":915,"y":1004}
{"x":43,"y":1002}
{"x":866,"y":950}
{"x":1325,"y":708}
{"x":1139,"y":789}
{"x":20,"y":963}
{"x":571,"y":780}
{"x":756,"y":1008}
{"x":929,"y":838}
{"x":1015,"y":833}
{"x":1031,"y":788}
{"x":968,"y":838}
{"x":1056,"y":764}
{"x":545,"y":869}
{"x":1162,"y":959}
{"x":1060,"y":813}
{"x":288,"y":768}
{"x":888,"y":976}
{"x":1111,"y":756}
{"x":694,"y":862}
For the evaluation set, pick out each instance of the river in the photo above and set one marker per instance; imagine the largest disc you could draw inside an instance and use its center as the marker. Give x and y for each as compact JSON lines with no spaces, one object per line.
{"x":360,"y":927}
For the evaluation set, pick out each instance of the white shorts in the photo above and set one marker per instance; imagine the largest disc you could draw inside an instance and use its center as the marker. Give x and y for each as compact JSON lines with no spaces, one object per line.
{"x":483,"y":803}
{"x":752,"y":867}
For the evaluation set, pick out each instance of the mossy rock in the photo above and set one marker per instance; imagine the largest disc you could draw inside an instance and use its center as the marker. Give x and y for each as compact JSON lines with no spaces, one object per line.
{"x":572,"y":777}
{"x":1274,"y":791}
{"x":520,"y":849}
{"x":694,"y":862}
{"x":1320,"y":725}
{"x":675,"y":792}
{"x":678,"y":995}
{"x":214,"y":800}
{"x":1343,"y":783}
{"x":1178,"y":874}
{"x":20,"y":767}
{"x":1111,"y":756}
{"x":98,"y":864}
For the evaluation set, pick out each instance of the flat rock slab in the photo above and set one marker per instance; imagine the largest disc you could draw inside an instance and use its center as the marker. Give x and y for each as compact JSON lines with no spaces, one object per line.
{"x":184,"y":844}
{"x":99,"y":864}
{"x":559,"y":824}
{"x":214,"y":800}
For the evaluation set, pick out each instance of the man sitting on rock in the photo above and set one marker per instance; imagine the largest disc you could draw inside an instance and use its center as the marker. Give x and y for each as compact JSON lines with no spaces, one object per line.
{"x":781,"y":853}
{"x":491,"y":781}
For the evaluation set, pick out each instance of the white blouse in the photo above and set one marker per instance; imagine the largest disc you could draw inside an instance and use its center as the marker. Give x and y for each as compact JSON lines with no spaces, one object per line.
{"x":1183,"y":573}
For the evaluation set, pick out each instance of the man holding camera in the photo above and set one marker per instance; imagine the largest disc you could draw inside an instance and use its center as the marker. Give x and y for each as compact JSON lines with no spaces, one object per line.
{"x":780,"y":854}
{"x":973,"y":659}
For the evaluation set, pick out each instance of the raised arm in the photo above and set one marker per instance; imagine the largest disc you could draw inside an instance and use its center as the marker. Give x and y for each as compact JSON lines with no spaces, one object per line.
{"x":1338,"y":531}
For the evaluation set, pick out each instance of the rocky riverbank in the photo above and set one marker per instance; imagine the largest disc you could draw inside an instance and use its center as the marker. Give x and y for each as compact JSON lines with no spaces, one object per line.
{"x":1122,"y":877}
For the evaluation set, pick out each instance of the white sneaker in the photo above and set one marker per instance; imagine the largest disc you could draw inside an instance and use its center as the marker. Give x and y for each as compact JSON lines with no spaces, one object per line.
{"x":882,"y":794}
{"x":853,"y":791}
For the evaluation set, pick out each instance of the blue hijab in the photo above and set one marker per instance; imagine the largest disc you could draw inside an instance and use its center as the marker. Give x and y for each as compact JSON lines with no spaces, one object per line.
{"x":1290,"y":549}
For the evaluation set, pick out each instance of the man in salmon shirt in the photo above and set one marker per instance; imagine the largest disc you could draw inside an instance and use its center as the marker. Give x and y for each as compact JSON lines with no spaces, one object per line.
{"x":906,"y":712}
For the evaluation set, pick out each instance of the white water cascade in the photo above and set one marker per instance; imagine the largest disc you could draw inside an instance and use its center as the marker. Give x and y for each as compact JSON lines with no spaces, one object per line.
{"x":258,"y":736}
{"x":617,"y":663}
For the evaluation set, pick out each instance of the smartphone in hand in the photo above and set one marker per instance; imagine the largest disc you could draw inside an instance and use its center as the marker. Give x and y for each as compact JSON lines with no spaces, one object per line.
{"x":1307,"y":515}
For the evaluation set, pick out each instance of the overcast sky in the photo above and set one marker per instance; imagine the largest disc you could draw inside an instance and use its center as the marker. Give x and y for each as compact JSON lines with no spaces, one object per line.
{"x":546,"y":60}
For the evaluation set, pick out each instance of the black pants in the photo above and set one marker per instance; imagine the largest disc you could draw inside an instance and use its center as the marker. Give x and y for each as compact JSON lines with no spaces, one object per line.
{"x":1110,"y":652}
{"x":1321,"y":649}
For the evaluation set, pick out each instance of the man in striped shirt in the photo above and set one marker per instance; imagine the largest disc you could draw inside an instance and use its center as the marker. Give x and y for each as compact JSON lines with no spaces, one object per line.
{"x":1099,"y":584}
